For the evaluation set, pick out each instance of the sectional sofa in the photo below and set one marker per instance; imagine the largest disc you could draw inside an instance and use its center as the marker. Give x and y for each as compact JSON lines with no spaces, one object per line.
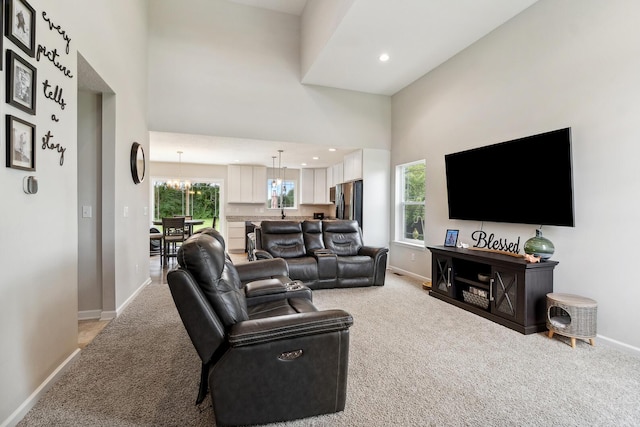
{"x":323,"y":253}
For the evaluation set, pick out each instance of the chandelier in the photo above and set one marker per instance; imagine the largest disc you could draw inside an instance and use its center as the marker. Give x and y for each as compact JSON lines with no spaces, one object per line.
{"x":178,"y":183}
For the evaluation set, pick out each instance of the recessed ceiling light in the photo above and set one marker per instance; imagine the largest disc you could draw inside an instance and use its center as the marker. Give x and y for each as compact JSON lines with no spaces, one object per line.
{"x":303,"y":164}
{"x":332,"y":149}
{"x":315,"y":157}
{"x":384,"y":57}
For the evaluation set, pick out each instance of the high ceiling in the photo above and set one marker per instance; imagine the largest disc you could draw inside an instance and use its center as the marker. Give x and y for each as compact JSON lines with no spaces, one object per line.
{"x":418,"y":35}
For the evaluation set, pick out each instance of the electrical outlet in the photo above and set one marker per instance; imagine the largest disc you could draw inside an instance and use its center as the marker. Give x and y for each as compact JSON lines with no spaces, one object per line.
{"x":413,"y":256}
{"x":137,"y":268}
{"x":86,"y":212}
{"x":125,"y":212}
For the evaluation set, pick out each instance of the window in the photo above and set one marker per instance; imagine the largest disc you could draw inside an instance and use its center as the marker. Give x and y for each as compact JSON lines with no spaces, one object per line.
{"x":200,"y":200}
{"x":276,"y":189}
{"x":410,"y":196}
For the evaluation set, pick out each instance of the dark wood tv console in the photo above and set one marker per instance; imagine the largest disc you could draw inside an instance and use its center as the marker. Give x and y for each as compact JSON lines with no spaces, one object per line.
{"x":503,"y":288}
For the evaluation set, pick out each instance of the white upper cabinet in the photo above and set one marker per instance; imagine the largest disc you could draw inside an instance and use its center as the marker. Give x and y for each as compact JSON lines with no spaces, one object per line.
{"x":313,"y":187}
{"x":247,"y":184}
{"x":338,"y":177}
{"x":259,"y":184}
{"x":353,"y":166}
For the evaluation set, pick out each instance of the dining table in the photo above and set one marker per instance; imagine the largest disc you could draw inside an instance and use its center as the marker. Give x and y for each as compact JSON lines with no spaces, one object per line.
{"x":189,"y":223}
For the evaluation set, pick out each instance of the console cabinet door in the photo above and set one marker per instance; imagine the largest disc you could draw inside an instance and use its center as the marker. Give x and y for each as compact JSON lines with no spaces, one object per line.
{"x":442,"y":274}
{"x":506,"y":287}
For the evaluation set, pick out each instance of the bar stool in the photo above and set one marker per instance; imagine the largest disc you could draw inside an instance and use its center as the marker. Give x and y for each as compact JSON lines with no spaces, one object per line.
{"x":572,"y":316}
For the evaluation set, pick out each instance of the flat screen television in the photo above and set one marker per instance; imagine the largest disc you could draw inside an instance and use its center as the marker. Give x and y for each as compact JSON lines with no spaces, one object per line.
{"x":524,"y":181}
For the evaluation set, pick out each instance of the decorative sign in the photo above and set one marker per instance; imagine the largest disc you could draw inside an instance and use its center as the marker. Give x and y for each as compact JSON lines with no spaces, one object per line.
{"x":52,"y":55}
{"x":58,"y":28}
{"x":489,"y":242}
{"x":47,"y":144}
{"x":53,"y":92}
{"x":54,"y":95}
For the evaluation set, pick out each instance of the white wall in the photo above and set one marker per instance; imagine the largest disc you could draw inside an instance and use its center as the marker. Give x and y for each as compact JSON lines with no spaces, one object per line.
{"x":89,"y":194}
{"x":233,"y":70}
{"x":571,"y":63}
{"x":39,"y":287}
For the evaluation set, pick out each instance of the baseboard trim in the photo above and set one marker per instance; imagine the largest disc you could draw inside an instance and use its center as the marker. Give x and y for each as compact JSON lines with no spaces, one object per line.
{"x":26,"y":406}
{"x":111,"y":314}
{"x":89,"y":314}
{"x":625,"y":348}
{"x":408,"y":273}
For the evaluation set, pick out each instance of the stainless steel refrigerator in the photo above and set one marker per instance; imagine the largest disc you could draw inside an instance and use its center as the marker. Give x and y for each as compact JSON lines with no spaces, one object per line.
{"x":349,"y":201}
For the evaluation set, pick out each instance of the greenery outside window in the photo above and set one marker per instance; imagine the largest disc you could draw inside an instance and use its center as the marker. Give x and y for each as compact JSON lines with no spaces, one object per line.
{"x":200,"y":200}
{"x":410,"y":197}
{"x":282,"y":194}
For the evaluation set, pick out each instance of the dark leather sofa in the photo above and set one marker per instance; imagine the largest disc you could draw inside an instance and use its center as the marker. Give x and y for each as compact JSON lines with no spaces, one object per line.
{"x":268,"y":354}
{"x":322,"y":254}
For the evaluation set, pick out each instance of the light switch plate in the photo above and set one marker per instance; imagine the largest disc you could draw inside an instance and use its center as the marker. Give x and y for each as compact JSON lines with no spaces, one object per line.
{"x":126,"y":211}
{"x":86,"y":212}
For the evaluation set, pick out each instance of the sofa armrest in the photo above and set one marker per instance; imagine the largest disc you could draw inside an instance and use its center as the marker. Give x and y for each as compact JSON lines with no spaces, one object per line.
{"x":262,"y":269}
{"x":379,"y":256}
{"x":371,"y":251}
{"x":260,"y":331}
{"x":264,"y":287}
{"x":262,"y":254}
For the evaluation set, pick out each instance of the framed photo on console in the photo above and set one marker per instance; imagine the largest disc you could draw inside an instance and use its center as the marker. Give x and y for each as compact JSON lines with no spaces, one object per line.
{"x":20,"y":27}
{"x":451,"y":239}
{"x":21,"y":81}
{"x":21,"y":144}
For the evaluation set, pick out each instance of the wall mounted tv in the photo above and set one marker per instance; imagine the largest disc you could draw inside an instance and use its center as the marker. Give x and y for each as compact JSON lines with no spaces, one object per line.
{"x":525,"y":181}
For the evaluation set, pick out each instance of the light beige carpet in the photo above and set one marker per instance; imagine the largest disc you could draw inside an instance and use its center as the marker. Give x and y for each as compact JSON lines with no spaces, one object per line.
{"x":414,"y":361}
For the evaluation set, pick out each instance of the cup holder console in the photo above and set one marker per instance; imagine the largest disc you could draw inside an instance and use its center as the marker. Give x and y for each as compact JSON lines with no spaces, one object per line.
{"x":293,"y":286}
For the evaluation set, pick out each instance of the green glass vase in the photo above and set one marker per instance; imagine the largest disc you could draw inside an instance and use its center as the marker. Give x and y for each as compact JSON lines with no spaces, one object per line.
{"x":539,"y":246}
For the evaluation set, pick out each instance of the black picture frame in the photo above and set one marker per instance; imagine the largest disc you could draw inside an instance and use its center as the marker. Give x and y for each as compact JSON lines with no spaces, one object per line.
{"x":21,"y":83}
{"x":20,"y":25}
{"x":1,"y":32}
{"x":21,"y":144}
{"x":451,"y":239}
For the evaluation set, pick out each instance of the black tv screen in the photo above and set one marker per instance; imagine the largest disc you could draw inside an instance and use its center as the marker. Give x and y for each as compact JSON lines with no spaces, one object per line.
{"x":525,"y":181}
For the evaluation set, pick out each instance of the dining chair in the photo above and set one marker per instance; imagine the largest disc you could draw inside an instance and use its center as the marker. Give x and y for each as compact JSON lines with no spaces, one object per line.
{"x":173,"y":230}
{"x":155,"y":241}
{"x":188,"y":228}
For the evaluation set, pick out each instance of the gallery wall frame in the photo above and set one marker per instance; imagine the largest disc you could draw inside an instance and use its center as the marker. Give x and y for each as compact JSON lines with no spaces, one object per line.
{"x":21,"y":82}
{"x":1,"y":32}
{"x":21,"y":144}
{"x":20,"y":25}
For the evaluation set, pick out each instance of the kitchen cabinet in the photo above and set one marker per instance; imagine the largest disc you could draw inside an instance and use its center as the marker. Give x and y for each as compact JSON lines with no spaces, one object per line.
{"x":338,"y":174}
{"x":353,"y":166}
{"x":247,"y":184}
{"x":313,"y":187}
{"x":236,"y":236}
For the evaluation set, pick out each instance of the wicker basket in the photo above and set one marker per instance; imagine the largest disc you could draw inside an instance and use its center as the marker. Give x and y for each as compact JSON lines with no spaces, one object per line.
{"x":475,"y":299}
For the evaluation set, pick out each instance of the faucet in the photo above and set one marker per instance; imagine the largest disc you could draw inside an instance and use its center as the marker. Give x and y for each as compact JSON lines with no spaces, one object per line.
{"x":282,"y":213}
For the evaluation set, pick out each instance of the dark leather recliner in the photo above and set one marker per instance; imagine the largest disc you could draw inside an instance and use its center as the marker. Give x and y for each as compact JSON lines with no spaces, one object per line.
{"x":275,"y":359}
{"x":323,"y":254}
